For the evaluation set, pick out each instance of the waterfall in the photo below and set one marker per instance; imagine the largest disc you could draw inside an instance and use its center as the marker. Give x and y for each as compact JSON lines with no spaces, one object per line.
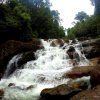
{"x":45,"y":72}
{"x":12,"y":64}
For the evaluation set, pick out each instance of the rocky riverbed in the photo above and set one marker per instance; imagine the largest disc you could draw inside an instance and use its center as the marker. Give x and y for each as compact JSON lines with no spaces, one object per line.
{"x":84,"y":81}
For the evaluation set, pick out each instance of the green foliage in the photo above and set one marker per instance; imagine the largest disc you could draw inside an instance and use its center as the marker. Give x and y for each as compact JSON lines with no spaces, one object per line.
{"x":14,"y":22}
{"x":25,"y":19}
{"x":81,"y":16}
{"x":45,"y":23}
{"x":88,"y":28}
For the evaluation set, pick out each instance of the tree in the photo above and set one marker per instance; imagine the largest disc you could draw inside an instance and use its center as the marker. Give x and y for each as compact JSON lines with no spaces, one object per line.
{"x":81,"y":16}
{"x":55,"y":15}
{"x":23,"y":19}
{"x":14,"y":22}
{"x":44,"y":23}
{"x":89,"y":28}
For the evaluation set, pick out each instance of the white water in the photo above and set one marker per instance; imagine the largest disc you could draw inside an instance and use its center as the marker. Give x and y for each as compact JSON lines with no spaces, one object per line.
{"x":12,"y":63}
{"x":46,"y":71}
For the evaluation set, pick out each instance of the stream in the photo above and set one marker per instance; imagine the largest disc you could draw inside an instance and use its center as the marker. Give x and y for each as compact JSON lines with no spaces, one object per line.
{"x":47,"y":71}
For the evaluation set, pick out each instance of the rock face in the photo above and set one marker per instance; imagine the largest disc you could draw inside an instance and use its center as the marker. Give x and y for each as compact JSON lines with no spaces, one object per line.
{"x":95,"y":76}
{"x":95,"y":61}
{"x":61,"y":92}
{"x":73,"y":55}
{"x":91,"y":48}
{"x":27,"y":56}
{"x":24,"y":58}
{"x":11,"y":48}
{"x":93,"y":94}
{"x":78,"y":72}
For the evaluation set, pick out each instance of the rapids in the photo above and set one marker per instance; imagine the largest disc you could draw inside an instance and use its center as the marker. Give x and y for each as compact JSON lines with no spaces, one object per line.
{"x":45,"y":72}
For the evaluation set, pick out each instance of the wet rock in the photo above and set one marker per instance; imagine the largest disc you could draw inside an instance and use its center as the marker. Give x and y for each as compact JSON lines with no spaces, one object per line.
{"x":0,"y":75}
{"x":11,"y":84}
{"x":98,"y":61}
{"x":73,"y":55}
{"x":80,"y":83}
{"x":74,"y":75}
{"x":93,"y":52}
{"x":66,"y":40}
{"x":71,"y":49}
{"x":36,"y":41}
{"x":61,"y":92}
{"x":25,"y":57}
{"x":92,"y":71}
{"x":12,"y":47}
{"x":95,"y":76}
{"x":57,"y":42}
{"x":28,"y":56}
{"x":21,"y":87}
{"x":1,"y":93}
{"x":30,"y":87}
{"x":95,"y":61}
{"x":93,"y":94}
{"x":74,"y":41}
{"x":78,"y":72}
{"x":91,"y":48}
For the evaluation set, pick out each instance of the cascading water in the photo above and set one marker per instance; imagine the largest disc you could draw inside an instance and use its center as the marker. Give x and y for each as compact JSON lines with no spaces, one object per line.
{"x":45,"y":72}
{"x":11,"y":64}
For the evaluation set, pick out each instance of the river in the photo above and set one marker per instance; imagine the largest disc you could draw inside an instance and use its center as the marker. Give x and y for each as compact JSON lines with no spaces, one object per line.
{"x":47,"y":71}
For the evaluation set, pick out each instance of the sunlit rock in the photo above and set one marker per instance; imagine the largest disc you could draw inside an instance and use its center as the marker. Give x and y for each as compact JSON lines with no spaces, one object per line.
{"x":61,"y":92}
{"x":95,"y":61}
{"x":93,"y":94}
{"x":78,"y":72}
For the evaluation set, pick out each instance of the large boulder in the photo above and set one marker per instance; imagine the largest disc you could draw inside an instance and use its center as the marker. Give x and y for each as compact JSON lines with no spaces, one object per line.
{"x":91,"y":48}
{"x":61,"y":92}
{"x":12,"y":47}
{"x":95,"y":76}
{"x":78,"y":72}
{"x":27,"y":56}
